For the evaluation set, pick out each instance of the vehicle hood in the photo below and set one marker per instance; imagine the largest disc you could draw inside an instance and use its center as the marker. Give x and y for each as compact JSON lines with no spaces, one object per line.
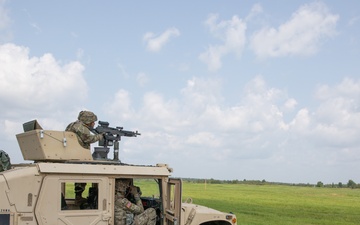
{"x":198,"y":214}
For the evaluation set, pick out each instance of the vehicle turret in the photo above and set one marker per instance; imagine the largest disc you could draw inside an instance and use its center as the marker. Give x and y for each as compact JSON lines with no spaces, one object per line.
{"x":50,"y":145}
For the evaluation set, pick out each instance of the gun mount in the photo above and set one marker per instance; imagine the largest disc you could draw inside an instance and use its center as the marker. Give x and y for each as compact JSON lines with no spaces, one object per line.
{"x":112,"y":137}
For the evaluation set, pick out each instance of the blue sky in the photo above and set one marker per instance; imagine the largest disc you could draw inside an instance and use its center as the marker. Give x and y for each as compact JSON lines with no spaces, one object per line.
{"x":223,"y":90}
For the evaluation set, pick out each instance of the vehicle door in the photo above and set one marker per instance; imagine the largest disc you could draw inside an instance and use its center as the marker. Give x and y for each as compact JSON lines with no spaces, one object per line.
{"x":57,"y":203}
{"x":173,"y":202}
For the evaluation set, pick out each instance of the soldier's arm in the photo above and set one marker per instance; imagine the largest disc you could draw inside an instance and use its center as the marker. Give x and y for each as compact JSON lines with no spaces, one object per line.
{"x":133,"y":208}
{"x":86,"y":137}
{"x":92,"y":138}
{"x":139,"y":202}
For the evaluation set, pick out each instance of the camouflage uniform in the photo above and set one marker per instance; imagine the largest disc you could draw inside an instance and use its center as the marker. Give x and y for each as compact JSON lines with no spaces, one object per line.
{"x":128,"y":213}
{"x":5,"y":163}
{"x":82,"y":130}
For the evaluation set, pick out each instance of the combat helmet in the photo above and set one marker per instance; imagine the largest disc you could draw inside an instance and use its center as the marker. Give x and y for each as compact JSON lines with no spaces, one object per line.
{"x":121,"y":185}
{"x":87,"y":117}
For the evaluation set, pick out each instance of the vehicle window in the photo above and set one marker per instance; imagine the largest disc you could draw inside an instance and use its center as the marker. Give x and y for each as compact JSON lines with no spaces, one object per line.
{"x":79,"y":196}
{"x":148,"y":187}
{"x":150,"y":193}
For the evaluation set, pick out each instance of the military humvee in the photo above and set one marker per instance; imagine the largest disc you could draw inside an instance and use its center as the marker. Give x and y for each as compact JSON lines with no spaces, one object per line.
{"x":42,"y":192}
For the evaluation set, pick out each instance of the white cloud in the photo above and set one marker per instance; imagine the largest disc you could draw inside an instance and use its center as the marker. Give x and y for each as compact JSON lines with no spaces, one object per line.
{"x":200,"y":93}
{"x":204,"y":139}
{"x":255,"y":10}
{"x":290,"y":104}
{"x":156,"y":43}
{"x":38,"y":87}
{"x":300,"y":124}
{"x":232,"y":35}
{"x":120,"y":106}
{"x":38,"y":82}
{"x":328,"y":133}
{"x":338,"y":115}
{"x":347,"y":88}
{"x":301,"y":35}
{"x":159,"y":113}
{"x":212,"y":57}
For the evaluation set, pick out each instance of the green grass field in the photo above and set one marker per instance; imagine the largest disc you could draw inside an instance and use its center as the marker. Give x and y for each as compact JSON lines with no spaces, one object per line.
{"x":279,"y":204}
{"x":272,"y":204}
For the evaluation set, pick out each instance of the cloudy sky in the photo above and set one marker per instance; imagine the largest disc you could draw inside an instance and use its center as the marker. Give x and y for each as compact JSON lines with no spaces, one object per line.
{"x":225,"y":90}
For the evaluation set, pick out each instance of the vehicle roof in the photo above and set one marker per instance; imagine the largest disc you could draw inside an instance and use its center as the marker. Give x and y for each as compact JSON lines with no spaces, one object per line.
{"x":160,"y":170}
{"x":103,"y":169}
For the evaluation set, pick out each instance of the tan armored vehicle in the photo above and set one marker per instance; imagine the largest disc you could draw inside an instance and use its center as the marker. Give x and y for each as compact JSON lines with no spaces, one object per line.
{"x":43,"y":192}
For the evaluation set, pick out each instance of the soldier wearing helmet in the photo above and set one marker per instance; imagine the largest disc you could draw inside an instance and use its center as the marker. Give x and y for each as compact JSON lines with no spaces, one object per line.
{"x":127,"y":212}
{"x":81,"y":127}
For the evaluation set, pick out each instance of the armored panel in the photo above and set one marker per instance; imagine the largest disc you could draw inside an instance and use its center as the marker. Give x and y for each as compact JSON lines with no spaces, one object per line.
{"x":32,"y":125}
{"x":48,"y":145}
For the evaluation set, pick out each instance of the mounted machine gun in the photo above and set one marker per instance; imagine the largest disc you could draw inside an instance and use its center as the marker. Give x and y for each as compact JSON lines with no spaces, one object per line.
{"x":112,"y":137}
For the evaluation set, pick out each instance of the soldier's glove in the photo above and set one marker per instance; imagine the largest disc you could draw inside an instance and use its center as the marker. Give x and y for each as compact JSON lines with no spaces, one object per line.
{"x":133,"y":190}
{"x":136,"y":192}
{"x":101,"y":136}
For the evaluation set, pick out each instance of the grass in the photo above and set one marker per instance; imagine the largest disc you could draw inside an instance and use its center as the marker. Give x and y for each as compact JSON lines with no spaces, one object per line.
{"x":278,"y":204}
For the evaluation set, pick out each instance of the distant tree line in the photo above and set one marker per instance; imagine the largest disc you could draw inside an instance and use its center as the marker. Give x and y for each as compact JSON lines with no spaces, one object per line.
{"x":350,"y":183}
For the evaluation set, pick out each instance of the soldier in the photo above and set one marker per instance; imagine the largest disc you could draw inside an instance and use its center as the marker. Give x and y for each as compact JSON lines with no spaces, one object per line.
{"x":5,"y":163}
{"x":81,"y":127}
{"x":128,"y":213}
